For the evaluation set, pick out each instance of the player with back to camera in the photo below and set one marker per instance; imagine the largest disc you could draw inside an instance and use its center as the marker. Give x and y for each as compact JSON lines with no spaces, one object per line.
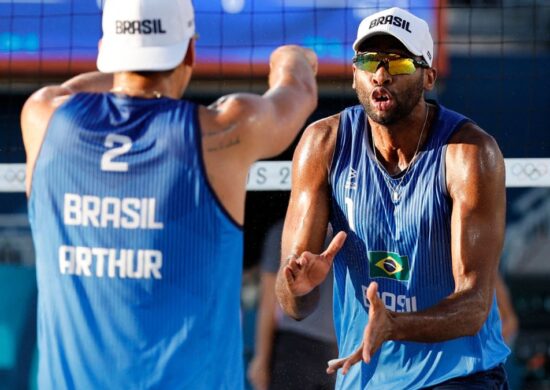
{"x":136,"y":203}
{"x":416,"y":194}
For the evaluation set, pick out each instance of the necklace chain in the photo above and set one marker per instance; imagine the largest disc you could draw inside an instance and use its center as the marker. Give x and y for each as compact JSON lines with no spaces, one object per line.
{"x":395,"y":190}
{"x":136,"y":92}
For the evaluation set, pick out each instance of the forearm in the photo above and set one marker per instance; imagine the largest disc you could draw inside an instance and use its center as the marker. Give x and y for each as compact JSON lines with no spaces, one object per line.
{"x":460,"y":314}
{"x":90,"y":82}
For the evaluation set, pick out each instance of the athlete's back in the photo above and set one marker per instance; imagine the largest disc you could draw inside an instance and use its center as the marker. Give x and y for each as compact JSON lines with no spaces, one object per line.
{"x":135,"y":256}
{"x":137,"y":204}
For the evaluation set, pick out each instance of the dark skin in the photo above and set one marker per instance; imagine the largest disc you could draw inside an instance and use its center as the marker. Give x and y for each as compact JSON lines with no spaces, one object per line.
{"x":237,"y":129}
{"x":475,"y":183}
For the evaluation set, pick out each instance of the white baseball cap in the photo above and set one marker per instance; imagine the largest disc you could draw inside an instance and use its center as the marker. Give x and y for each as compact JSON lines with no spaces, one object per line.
{"x":145,"y":35}
{"x":411,"y":31}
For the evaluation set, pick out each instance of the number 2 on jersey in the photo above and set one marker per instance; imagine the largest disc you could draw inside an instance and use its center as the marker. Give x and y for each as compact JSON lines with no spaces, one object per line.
{"x":107,"y":163}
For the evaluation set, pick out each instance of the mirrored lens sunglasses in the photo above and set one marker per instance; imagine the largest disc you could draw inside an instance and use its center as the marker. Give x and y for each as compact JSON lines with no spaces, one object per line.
{"x":393,"y":63}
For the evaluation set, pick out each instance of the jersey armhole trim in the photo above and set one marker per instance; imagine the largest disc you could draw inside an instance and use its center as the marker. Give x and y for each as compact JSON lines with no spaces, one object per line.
{"x":443,"y":172}
{"x":333,"y":154}
{"x":198,"y":145}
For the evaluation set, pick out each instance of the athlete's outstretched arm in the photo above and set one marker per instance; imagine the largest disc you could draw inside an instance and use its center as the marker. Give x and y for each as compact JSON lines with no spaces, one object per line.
{"x":262,"y":126}
{"x":241,"y":128}
{"x":475,"y":182}
{"x":302,"y":270}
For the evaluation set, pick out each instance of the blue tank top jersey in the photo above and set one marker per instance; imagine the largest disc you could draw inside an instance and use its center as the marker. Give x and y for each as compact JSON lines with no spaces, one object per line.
{"x":403,"y":245}
{"x":138,"y":264}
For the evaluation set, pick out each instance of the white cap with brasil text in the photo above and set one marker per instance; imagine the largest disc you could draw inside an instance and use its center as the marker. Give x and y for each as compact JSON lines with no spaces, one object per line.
{"x":412,"y":31}
{"x":145,"y":35}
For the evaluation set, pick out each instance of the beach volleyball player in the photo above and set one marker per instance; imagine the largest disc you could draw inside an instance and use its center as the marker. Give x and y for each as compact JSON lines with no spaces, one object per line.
{"x":136,"y":203}
{"x":419,"y":189}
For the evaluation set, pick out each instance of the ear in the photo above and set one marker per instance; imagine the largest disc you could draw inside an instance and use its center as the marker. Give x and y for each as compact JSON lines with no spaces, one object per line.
{"x":189,"y":59}
{"x":430,"y":75}
{"x":354,"y":70}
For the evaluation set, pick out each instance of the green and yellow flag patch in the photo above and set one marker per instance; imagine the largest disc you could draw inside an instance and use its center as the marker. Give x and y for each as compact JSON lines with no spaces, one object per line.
{"x":388,"y":265}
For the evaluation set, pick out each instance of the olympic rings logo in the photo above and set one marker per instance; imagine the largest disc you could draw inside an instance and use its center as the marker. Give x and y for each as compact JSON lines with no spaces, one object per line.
{"x":13,"y":176}
{"x":530,"y":170}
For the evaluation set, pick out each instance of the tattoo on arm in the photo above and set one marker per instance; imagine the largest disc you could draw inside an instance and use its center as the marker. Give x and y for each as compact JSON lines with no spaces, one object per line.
{"x":224,"y":144}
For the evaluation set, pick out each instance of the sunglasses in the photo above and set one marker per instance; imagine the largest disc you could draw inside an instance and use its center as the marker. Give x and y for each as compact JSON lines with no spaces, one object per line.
{"x":393,"y":63}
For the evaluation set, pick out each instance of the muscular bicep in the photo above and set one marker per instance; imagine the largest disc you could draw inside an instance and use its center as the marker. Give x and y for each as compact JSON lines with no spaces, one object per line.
{"x":261,"y":126}
{"x":475,"y":179}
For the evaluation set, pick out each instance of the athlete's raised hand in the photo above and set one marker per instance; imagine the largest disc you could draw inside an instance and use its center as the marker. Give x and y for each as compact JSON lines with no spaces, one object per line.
{"x":376,"y":332}
{"x":305,"y":272}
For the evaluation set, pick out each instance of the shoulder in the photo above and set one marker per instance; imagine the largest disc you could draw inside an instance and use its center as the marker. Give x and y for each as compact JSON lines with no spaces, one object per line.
{"x":317,"y":144}
{"x":35,"y":117}
{"x":227,"y":127}
{"x":49,"y":96}
{"x":321,"y":134}
{"x":243,"y":121}
{"x":235,"y":110}
{"x":473,"y":157}
{"x":471,"y":139}
{"x":41,"y":104}
{"x":39,"y":108}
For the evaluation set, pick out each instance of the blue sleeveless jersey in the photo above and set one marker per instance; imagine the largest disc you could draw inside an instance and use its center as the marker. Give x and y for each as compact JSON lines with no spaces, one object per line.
{"x":138,"y":264}
{"x":404,"y":246}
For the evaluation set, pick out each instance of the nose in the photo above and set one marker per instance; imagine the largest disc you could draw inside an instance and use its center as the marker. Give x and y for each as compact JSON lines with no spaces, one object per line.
{"x":381,"y":76}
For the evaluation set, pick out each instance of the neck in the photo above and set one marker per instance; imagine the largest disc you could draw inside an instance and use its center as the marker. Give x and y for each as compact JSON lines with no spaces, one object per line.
{"x":150,"y":86}
{"x":142,"y":93}
{"x":396,"y":146}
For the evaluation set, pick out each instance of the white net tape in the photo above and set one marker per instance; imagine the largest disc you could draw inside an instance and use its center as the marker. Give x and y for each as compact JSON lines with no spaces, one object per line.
{"x":276,"y":175}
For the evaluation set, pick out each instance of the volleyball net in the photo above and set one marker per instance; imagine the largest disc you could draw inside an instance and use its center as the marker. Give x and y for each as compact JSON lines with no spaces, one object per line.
{"x":276,"y":175}
{"x":492,"y":58}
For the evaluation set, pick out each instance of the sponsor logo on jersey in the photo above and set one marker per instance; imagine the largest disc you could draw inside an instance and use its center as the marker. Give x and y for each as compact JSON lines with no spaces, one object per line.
{"x":389,"y":265}
{"x":351,"y":181}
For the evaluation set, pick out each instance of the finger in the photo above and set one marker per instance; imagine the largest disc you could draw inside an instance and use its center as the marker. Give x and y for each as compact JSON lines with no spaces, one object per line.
{"x":289,"y":275}
{"x":335,"y":245}
{"x":353,"y":359}
{"x":294,"y":265}
{"x":334,"y":365}
{"x":345,"y":363}
{"x":367,"y":355}
{"x":305,"y":258}
{"x":369,"y":349}
{"x":372,"y":295}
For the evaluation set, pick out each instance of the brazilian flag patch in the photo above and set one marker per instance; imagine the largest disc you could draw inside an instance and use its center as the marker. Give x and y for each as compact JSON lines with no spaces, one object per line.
{"x":388,"y":265}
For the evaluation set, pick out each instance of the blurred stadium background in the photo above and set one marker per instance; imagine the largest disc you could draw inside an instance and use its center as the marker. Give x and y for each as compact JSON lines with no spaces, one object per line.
{"x":491,"y":56}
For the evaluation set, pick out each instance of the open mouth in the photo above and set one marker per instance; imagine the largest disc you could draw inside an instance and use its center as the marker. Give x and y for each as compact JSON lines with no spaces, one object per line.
{"x":381,"y":95}
{"x":381,"y":98}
